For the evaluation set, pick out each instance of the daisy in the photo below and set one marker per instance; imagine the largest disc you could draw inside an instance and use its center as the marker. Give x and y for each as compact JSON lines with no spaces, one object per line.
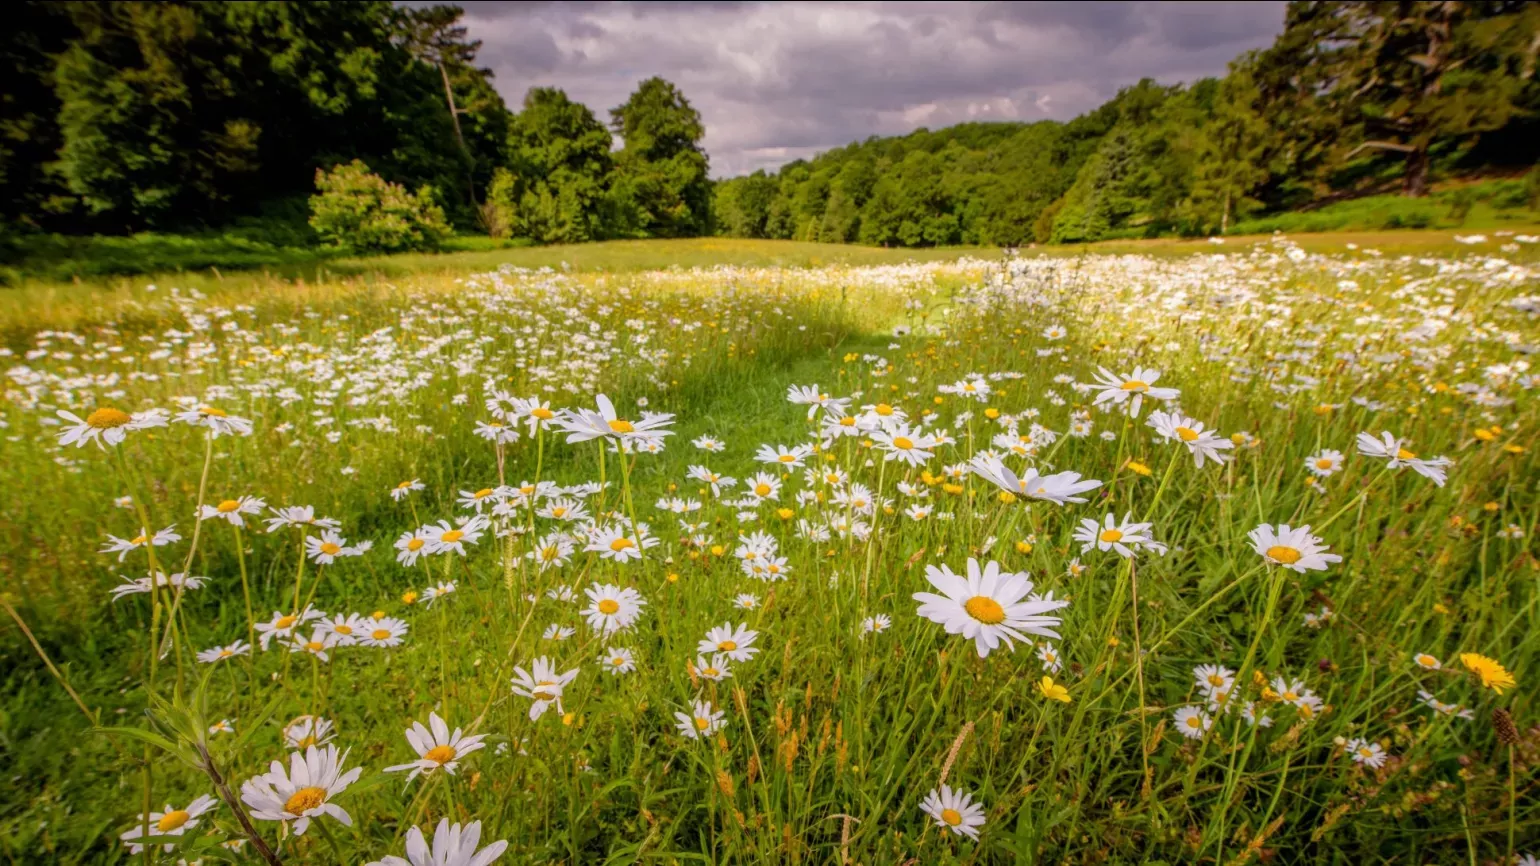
{"x":1125,"y":537}
{"x":1427,"y":661}
{"x":220,"y":653}
{"x":1324,"y":464}
{"x":1059,"y":488}
{"x":567,"y":510}
{"x":874,"y":624}
{"x":1129,"y":390}
{"x":436,"y":747}
{"x":282,"y":625}
{"x":169,"y":823}
{"x":747,"y":601}
{"x":1394,"y":451}
{"x":764,"y":486}
{"x":1291,"y":548}
{"x":716,"y":668}
{"x":107,"y":426}
{"x":1049,"y":656}
{"x":1203,"y":444}
{"x":383,"y":632}
{"x":975,"y":388}
{"x":612,"y":542}
{"x":582,"y":425}
{"x":542,"y":685}
{"x":552,"y":550}
{"x":954,"y":810}
{"x":231,"y":510}
{"x":557,"y":632}
{"x":814,"y":399}
{"x":611,"y":608}
{"x":347,"y":627}
{"x":788,"y":458}
{"x":149,"y":583}
{"x":306,"y":731}
{"x":304,"y":792}
{"x":497,"y":432}
{"x":145,"y":538}
{"x":1213,"y":678}
{"x":709,"y":443}
{"x":299,"y":515}
{"x":443,"y":538}
{"x":411,"y":545}
{"x":325,"y":549}
{"x":905,"y":445}
{"x":702,"y":721}
{"x":321,"y":640}
{"x":223,"y":726}
{"x":405,"y":489}
{"x":217,"y":421}
{"x":1439,"y":706}
{"x":618,"y":661}
{"x":736,"y":643}
{"x":987,"y":606}
{"x":452,"y":846}
{"x":442,"y":589}
{"x":475,"y":499}
{"x":1192,"y":722}
{"x":1366,"y":753}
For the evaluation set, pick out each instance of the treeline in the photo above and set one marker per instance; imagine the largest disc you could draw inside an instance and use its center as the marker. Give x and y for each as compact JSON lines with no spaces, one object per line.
{"x":1352,"y":99}
{"x":176,"y":116}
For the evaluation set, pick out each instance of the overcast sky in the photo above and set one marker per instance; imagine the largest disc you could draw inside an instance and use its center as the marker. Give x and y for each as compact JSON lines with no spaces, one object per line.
{"x":779,"y":81}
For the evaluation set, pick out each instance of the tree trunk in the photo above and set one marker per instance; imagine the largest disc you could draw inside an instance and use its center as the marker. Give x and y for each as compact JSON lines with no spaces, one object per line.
{"x":1224,"y":220}
{"x":1415,"y":184}
{"x":454,"y":114}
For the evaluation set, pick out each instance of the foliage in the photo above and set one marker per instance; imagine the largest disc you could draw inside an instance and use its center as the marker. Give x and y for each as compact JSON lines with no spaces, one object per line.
{"x":661,"y":187}
{"x":360,"y":211}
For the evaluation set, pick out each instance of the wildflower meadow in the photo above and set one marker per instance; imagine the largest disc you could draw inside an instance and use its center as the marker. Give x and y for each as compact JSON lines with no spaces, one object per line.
{"x":1223,"y":557}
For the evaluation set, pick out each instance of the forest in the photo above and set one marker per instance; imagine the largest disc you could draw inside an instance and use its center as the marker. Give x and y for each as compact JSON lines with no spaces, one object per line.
{"x":242,"y":118}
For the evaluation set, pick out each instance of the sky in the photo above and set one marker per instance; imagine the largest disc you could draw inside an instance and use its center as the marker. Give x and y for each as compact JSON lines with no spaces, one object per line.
{"x":775,"y":82}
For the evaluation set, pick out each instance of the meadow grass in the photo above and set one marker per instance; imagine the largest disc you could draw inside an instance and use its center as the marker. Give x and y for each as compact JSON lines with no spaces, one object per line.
{"x":833,"y":734}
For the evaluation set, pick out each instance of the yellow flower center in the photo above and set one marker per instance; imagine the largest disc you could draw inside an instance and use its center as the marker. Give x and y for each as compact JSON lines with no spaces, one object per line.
{"x":727,"y":646}
{"x":542,"y":413}
{"x":139,"y":539}
{"x":788,"y":458}
{"x":380,"y":633}
{"x":452,"y":536}
{"x":1111,"y":536}
{"x":618,"y":661}
{"x":483,"y":493}
{"x":172,"y":820}
{"x":884,"y":409}
{"x":1284,"y":555}
{"x":107,"y":418}
{"x":609,"y":607}
{"x":211,"y":412}
{"x":902,"y":442}
{"x":306,"y":742}
{"x":440,"y":754}
{"x":1426,"y":660}
{"x":415,"y":544}
{"x":1216,"y":680}
{"x":1194,"y":722}
{"x":1136,"y":385}
{"x":620,"y":544}
{"x":550,"y":554}
{"x":847,"y":421}
{"x":1186,"y":434}
{"x":315,"y":646}
{"x":228,"y":506}
{"x":285,"y":621}
{"x":1290,"y":696}
{"x":952,"y":817}
{"x":558,"y":511}
{"x":985,"y":609}
{"x":620,"y":425}
{"x":330,"y":549}
{"x":1323,"y":463}
{"x":1365,"y":752}
{"x":1403,"y":454}
{"x":342,"y":629}
{"x":403,"y":485}
{"x":304,"y":800}
{"x":762,"y":490}
{"x":710,"y":672}
{"x":702,"y":723}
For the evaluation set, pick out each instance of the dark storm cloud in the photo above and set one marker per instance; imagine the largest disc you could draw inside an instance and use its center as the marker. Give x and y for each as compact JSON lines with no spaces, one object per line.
{"x":778,"y":81}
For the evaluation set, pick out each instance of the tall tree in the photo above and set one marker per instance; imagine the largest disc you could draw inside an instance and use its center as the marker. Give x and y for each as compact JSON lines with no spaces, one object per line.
{"x":1402,"y":75}
{"x":661,"y":178}
{"x":555,"y":187}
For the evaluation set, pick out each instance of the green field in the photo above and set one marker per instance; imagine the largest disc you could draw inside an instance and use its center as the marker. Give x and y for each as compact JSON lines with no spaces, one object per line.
{"x":1104,"y":743}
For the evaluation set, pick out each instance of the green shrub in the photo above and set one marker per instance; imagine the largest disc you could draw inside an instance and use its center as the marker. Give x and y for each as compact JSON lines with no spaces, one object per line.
{"x":1460,"y":202}
{"x":1532,"y":188}
{"x":359,"y":210}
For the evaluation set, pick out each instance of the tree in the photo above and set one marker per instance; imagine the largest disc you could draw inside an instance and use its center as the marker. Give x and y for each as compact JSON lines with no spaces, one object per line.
{"x":661,"y":172}
{"x":555,"y":188}
{"x":1404,"y":75}
{"x":1230,"y":155}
